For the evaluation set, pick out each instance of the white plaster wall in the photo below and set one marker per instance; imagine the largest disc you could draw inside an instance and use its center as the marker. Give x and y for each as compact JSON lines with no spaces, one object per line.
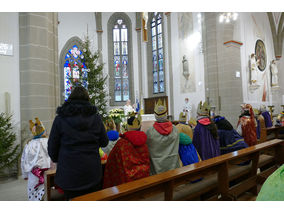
{"x":132,"y":16}
{"x":9,"y":71}
{"x":75,"y":24}
{"x":199,"y":94}
{"x":250,"y":30}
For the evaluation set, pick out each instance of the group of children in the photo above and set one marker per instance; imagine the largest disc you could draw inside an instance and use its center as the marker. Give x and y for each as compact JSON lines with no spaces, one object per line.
{"x":136,"y":154}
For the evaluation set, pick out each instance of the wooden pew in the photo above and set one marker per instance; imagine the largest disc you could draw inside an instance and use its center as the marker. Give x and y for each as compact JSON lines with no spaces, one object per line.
{"x":264,"y":132}
{"x":221,"y":166}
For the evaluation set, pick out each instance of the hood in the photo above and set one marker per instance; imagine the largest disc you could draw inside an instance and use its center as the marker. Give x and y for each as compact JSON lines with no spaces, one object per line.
{"x":184,"y":139}
{"x":137,"y":138}
{"x":78,"y":114}
{"x":76,"y":107}
{"x":113,"y":135}
{"x":204,"y":121}
{"x":164,"y":128}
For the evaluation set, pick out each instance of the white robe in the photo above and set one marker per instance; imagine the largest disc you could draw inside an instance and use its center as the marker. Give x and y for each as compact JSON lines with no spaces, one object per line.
{"x":34,"y":155}
{"x":127,"y":109}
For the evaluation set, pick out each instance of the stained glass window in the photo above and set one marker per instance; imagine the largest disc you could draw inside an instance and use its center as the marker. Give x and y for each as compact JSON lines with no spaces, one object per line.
{"x":120,"y":60}
{"x":157,"y":53}
{"x":74,"y":67}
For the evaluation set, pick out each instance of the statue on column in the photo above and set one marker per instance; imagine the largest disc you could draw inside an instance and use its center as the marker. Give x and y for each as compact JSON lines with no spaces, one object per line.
{"x":185,"y":71}
{"x":253,"y":65}
{"x":274,"y":74}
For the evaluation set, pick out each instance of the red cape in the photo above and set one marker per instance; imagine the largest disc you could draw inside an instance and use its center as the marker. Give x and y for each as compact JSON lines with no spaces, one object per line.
{"x":128,"y":160}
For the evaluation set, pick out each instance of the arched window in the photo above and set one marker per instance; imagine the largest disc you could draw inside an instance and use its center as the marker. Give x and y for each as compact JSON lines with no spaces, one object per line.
{"x":119,"y":31}
{"x":72,"y":65}
{"x":156,"y":51}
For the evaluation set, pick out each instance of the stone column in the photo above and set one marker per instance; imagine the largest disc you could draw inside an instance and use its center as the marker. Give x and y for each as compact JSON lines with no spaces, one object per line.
{"x":39,"y":78}
{"x":171,"y":92}
{"x":139,"y":42}
{"x":99,"y":34}
{"x":222,"y":61}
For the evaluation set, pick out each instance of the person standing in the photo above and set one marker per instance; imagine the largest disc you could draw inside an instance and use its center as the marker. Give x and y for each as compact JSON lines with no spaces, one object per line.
{"x":76,"y":135}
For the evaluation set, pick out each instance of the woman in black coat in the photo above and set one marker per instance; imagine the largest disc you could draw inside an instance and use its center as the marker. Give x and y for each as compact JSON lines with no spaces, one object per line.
{"x":76,"y":135}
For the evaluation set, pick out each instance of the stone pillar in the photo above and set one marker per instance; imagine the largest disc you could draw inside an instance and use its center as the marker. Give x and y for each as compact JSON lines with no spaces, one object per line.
{"x":139,"y":42}
{"x":39,"y":78}
{"x":171,"y":92}
{"x":222,"y":61}
{"x":99,"y":34}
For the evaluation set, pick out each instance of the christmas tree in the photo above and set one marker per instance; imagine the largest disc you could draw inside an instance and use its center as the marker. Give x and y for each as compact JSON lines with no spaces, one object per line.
{"x":90,"y":75}
{"x":9,"y":153}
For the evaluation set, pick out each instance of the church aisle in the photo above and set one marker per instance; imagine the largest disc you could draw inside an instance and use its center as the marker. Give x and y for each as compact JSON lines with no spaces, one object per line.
{"x":13,"y":190}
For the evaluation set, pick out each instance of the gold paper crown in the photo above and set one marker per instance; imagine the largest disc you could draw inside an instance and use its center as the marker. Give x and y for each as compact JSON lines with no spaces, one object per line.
{"x":203,"y":109}
{"x":160,"y":108}
{"x":256,"y":111}
{"x":136,"y":123}
{"x":182,"y":117}
{"x":37,"y":128}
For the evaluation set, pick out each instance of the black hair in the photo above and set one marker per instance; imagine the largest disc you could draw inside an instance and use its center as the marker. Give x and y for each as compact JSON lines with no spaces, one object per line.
{"x":79,"y":93}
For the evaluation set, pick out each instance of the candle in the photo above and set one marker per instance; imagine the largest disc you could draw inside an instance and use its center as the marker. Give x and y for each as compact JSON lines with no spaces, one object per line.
{"x":282,"y":99}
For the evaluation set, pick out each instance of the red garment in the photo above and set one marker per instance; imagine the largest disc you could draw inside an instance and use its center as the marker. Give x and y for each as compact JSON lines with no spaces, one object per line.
{"x":129,"y":160}
{"x":248,"y":130}
{"x":164,"y":128}
{"x":204,"y":121}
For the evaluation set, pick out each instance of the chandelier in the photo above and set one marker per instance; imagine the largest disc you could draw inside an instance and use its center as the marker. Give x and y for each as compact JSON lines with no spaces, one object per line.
{"x":228,"y":17}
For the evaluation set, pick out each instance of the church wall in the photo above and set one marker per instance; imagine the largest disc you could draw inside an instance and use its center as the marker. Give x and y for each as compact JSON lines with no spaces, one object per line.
{"x":76,"y":24}
{"x":199,"y":94}
{"x":9,"y":71}
{"x":254,"y":26}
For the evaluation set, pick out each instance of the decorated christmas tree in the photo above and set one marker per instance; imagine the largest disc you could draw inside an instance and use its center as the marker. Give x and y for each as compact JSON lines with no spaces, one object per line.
{"x":9,"y":153}
{"x":90,"y":75}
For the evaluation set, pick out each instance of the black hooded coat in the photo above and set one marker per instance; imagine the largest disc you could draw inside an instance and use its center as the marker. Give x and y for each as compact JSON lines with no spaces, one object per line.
{"x":76,"y":135}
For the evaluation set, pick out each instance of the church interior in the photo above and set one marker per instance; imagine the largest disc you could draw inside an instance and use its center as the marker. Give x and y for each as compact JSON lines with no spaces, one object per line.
{"x":189,"y":66}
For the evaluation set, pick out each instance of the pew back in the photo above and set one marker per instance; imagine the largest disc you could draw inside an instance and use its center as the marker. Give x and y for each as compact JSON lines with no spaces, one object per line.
{"x":166,"y":182}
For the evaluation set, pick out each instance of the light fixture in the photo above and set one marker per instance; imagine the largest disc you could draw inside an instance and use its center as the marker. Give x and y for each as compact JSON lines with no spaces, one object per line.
{"x":228,"y":17}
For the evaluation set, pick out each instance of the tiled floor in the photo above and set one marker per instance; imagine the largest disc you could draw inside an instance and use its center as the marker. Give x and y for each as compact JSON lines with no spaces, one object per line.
{"x":13,"y":190}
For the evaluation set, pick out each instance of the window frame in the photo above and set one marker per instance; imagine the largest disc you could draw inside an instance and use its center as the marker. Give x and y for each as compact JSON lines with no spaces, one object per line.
{"x":111,"y":23}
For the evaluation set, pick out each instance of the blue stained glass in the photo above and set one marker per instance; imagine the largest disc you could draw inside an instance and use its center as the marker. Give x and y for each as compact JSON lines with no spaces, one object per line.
{"x":117,"y":66}
{"x":116,"y":50}
{"x":153,"y":31}
{"x":161,"y":64}
{"x":160,"y":41}
{"x":124,"y":67}
{"x":156,"y":88}
{"x":162,"y":89}
{"x":154,"y":45}
{"x":161,"y":76}
{"x":74,"y":56}
{"x":155,"y":77}
{"x":67,"y":56}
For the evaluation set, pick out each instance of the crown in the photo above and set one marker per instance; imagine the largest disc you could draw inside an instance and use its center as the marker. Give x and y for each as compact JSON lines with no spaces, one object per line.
{"x":203,"y":109}
{"x":37,"y":128}
{"x":256,"y":111}
{"x":160,"y":108}
{"x":134,"y":121}
{"x":182,"y":117}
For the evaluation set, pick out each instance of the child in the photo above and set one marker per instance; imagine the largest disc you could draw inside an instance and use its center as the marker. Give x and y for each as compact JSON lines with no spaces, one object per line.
{"x":35,"y":161}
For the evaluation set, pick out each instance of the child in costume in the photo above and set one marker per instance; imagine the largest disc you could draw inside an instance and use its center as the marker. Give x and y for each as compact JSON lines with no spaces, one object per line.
{"x":112,"y":134}
{"x":129,"y":158}
{"x":163,"y":142}
{"x":247,"y":125}
{"x":35,"y":161}
{"x":205,"y":136}
{"x":229,"y":138}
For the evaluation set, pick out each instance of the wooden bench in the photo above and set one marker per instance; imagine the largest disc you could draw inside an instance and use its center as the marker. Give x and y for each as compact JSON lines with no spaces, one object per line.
{"x":225,"y":179}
